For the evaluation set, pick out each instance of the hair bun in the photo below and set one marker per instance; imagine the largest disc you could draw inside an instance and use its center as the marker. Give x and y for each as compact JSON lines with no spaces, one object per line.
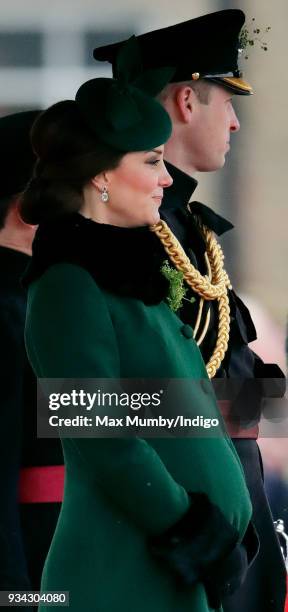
{"x":47,"y":127}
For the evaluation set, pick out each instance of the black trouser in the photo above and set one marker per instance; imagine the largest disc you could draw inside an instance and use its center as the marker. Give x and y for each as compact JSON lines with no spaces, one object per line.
{"x":264,"y":589}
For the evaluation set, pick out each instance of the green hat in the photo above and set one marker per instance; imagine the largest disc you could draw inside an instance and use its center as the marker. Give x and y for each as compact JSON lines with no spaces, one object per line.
{"x":118,"y":112}
{"x":206,"y":47}
{"x":16,"y":155}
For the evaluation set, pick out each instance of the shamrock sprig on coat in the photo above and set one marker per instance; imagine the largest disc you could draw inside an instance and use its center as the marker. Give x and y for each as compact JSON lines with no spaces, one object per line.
{"x":177,"y":289}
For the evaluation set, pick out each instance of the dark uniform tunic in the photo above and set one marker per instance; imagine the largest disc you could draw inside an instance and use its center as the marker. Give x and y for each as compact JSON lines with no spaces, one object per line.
{"x":265,"y":587}
{"x":25,"y":532}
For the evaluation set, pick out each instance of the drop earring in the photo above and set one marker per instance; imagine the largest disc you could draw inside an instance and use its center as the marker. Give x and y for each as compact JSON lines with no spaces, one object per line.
{"x":105,"y":194}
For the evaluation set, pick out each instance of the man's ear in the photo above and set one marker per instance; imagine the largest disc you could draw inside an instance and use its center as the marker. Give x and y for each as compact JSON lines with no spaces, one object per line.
{"x":185,"y":99}
{"x":100,"y":181}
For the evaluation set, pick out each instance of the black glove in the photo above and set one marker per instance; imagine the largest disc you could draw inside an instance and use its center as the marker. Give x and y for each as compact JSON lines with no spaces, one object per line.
{"x":203,"y":547}
{"x":228,"y":574}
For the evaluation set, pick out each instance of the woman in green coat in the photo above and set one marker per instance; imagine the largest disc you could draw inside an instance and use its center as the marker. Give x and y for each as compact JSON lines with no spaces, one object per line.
{"x":158,"y":524}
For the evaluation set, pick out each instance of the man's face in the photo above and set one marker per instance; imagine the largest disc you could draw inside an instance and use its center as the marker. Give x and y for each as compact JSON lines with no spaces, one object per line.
{"x":208,"y":134}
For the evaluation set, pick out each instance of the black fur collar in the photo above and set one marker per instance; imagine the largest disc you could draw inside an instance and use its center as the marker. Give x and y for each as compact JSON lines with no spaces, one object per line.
{"x":121,"y":260}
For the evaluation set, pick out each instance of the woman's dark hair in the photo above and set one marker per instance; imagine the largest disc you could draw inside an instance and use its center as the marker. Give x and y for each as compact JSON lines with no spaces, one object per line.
{"x":68,"y":156}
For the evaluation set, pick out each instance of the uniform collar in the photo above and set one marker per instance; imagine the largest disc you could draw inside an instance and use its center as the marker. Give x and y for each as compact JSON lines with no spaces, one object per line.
{"x":180,"y":192}
{"x":179,"y":195}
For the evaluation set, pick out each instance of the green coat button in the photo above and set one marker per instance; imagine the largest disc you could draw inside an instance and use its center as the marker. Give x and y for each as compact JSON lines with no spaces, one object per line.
{"x":187,"y":331}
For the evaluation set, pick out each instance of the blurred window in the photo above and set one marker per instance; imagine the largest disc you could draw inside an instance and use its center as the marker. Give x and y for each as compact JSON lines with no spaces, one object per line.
{"x":19,"y":49}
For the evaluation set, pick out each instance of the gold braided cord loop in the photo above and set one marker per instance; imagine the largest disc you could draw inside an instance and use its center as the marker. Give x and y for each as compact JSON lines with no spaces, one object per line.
{"x":208,"y":288}
{"x":200,"y":339}
{"x":216,"y":257}
{"x":223,"y":336}
{"x":205,"y":328}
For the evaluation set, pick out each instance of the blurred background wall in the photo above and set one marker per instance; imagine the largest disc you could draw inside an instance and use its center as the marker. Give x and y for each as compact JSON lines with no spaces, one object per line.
{"x":46,"y":52}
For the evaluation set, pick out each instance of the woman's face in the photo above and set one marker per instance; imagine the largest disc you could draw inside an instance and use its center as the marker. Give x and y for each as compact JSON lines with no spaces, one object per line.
{"x":135,"y":189}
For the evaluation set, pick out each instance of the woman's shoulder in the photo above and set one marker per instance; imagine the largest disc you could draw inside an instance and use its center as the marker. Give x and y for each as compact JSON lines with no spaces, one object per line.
{"x":68,"y":324}
{"x":65,"y":286}
{"x":65,"y":276}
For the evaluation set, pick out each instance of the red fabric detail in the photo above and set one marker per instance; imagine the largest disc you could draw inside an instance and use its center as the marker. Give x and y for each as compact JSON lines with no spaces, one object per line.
{"x":43,"y":484}
{"x":233,"y":429}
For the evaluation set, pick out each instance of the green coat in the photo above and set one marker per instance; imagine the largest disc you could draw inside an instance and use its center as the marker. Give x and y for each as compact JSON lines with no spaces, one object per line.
{"x":120,"y":491}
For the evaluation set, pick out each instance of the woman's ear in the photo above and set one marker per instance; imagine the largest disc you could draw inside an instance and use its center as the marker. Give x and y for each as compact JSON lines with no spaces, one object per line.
{"x":100,"y":181}
{"x":185,"y":99}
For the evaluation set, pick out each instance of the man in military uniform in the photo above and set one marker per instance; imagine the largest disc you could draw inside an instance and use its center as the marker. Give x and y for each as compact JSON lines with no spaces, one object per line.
{"x":204,"y":52}
{"x":30,"y":468}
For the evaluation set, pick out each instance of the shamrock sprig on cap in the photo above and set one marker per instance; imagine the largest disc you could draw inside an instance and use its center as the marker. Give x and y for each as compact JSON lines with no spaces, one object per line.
{"x":251,"y":35}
